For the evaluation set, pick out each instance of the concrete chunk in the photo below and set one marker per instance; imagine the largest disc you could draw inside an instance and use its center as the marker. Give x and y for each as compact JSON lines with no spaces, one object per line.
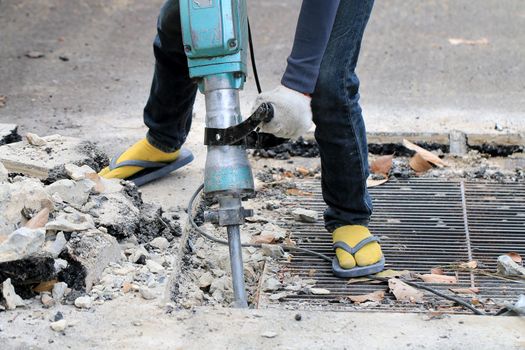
{"x":48,"y":162}
{"x":11,"y":299}
{"x":21,"y":244}
{"x":305,"y":215}
{"x":88,"y":254}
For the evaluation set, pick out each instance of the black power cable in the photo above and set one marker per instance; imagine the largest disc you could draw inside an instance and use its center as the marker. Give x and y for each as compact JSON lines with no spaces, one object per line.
{"x":252,"y":56}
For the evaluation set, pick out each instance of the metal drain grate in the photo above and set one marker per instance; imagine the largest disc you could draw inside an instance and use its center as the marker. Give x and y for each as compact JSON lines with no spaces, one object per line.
{"x":423,"y":223}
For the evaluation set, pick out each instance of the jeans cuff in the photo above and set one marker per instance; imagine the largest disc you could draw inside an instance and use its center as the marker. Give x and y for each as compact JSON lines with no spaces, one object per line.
{"x":159,"y":145}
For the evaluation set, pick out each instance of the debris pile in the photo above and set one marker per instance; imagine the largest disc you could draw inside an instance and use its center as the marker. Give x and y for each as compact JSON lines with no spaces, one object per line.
{"x":68,"y":235}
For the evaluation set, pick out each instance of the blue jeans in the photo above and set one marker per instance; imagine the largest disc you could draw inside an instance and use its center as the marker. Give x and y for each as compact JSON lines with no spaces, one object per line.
{"x":340,"y":129}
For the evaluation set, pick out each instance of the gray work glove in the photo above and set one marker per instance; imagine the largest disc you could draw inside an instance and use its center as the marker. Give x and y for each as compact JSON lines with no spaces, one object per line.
{"x":292,"y":112}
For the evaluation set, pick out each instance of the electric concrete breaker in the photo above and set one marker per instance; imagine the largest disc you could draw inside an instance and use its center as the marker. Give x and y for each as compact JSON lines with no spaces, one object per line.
{"x":215,"y":35}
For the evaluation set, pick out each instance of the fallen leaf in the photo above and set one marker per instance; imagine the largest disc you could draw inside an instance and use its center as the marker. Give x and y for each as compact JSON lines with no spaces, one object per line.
{"x":303,"y":171}
{"x":39,"y":220}
{"x":472,"y":290}
{"x":319,"y":291}
{"x":265,"y":238}
{"x":378,"y":295}
{"x":469,"y":265}
{"x":475,"y":301}
{"x":298,"y":192}
{"x":437,"y":271}
{"x":392,"y":273}
{"x":3,"y":100}
{"x":461,"y":41}
{"x":374,"y":183}
{"x":404,"y":292}
{"x":311,"y":272}
{"x":288,"y":174}
{"x":515,"y":257}
{"x":382,"y":165}
{"x":46,"y":286}
{"x":289,"y":242}
{"x":358,"y":280}
{"x":433,"y":278}
{"x":419,"y":164}
{"x":426,"y":155}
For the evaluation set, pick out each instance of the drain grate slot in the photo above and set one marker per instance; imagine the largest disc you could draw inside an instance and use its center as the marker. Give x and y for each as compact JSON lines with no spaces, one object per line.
{"x":422,"y":223}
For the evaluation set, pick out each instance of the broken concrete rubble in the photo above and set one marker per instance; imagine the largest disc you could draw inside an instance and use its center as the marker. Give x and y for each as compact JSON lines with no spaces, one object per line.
{"x":11,"y":299}
{"x":3,"y":173}
{"x":305,"y":215}
{"x":71,"y":222}
{"x":88,"y":253}
{"x":21,"y":244}
{"x":48,"y":162}
{"x":23,"y":196}
{"x":76,"y":172}
{"x":75,"y":193}
{"x":8,"y":133}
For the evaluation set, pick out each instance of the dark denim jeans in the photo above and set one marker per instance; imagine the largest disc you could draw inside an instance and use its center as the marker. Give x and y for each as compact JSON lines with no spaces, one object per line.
{"x":340,"y":129}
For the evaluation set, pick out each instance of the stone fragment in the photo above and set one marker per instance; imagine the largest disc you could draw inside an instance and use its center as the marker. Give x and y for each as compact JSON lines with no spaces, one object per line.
{"x":160,"y":243}
{"x":154,"y":266}
{"x":509,"y":267}
{"x":57,"y":246}
{"x":59,"y":326}
{"x":88,"y":254}
{"x":278,"y":233}
{"x":47,"y":300}
{"x":21,"y":244}
{"x":76,"y":193}
{"x":48,"y":163}
{"x":76,"y":172}
{"x":146,"y":293}
{"x":71,"y":222}
{"x":35,"y":140}
{"x":205,"y":280}
{"x":60,"y":264}
{"x":27,"y":195}
{"x":305,"y":215}
{"x":84,"y":302}
{"x":138,"y":254}
{"x":11,"y":299}
{"x":3,"y":173}
{"x":319,"y":291}
{"x":273,"y":251}
{"x":278,"y":296}
{"x":59,"y":290}
{"x":271,"y":284}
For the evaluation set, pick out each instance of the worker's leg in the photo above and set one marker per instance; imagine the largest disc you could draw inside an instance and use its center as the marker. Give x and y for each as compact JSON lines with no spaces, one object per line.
{"x":341,"y":135}
{"x":169,"y":108}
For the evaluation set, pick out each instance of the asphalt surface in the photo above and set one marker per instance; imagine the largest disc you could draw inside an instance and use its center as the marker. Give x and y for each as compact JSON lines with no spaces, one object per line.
{"x":413,"y":78}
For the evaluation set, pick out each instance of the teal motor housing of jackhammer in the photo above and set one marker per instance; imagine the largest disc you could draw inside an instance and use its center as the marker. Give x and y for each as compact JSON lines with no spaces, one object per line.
{"x":215,"y":39}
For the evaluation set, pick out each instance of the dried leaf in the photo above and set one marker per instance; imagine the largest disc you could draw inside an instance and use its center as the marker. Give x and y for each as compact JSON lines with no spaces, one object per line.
{"x":358,"y":280}
{"x":382,"y":165}
{"x":289,"y":242}
{"x":265,"y":238}
{"x":46,"y":286}
{"x":472,"y":290}
{"x":433,"y":278}
{"x":377,"y":296}
{"x":469,"y":265}
{"x":404,"y":292}
{"x":288,"y":174}
{"x":392,"y":273}
{"x":39,"y":220}
{"x":426,"y":155}
{"x":437,"y":271}
{"x":373,"y":183}
{"x":515,"y":257}
{"x":3,"y":100}
{"x":298,"y":192}
{"x":419,"y":164}
{"x":461,"y":41}
{"x":311,"y":272}
{"x":303,"y":171}
{"x":319,"y":291}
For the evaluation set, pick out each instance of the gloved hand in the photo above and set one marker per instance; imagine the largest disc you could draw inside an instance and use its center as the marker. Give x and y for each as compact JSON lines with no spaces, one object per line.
{"x":292,"y":112}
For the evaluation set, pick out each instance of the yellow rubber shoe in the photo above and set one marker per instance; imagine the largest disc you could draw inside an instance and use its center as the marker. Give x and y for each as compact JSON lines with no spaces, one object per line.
{"x":140,"y":151}
{"x":358,"y":252}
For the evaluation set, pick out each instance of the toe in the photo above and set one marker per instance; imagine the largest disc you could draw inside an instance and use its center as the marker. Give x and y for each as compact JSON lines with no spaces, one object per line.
{"x":346,"y":260}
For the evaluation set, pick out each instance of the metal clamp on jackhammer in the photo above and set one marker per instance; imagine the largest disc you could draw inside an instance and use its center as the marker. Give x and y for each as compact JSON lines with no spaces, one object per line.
{"x":244,"y":133}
